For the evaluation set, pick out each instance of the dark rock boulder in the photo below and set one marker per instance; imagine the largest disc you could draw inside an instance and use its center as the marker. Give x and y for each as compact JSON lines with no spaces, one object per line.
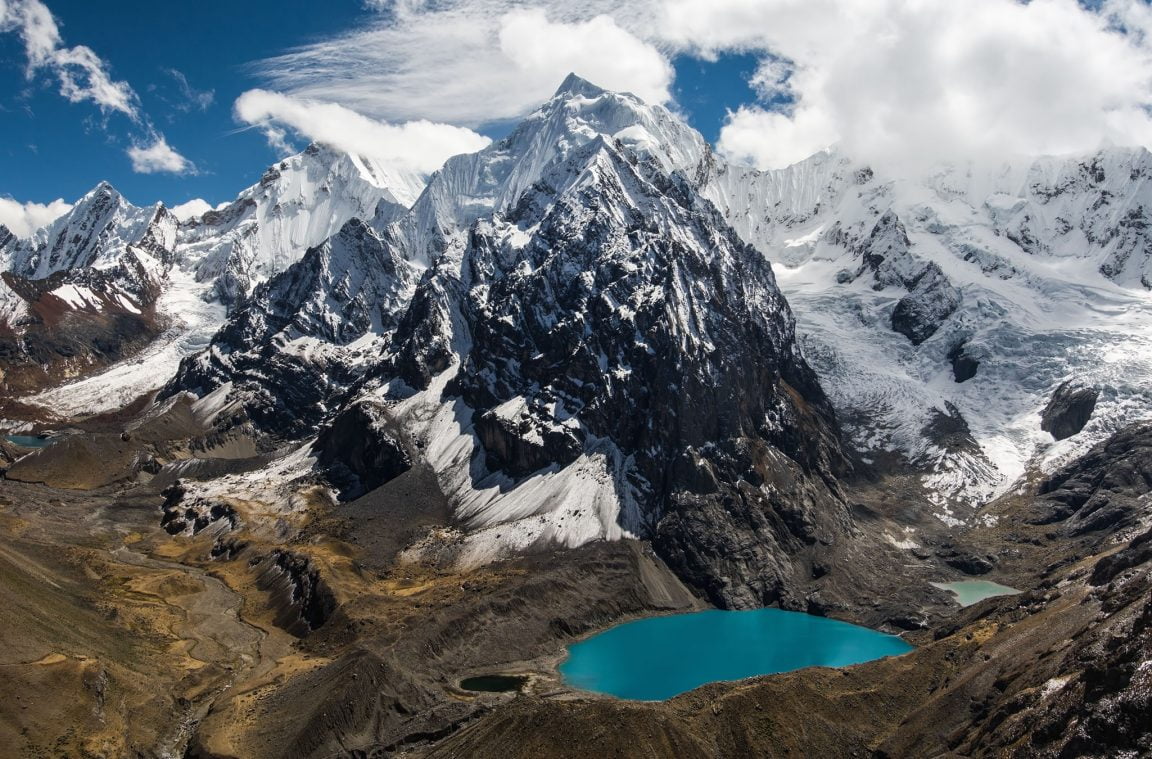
{"x":1069,"y":409}
{"x":964,"y":365}
{"x":932,"y":300}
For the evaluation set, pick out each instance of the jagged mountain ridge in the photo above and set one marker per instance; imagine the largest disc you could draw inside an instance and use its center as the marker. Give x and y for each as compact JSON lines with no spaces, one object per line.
{"x":83,"y":290}
{"x":474,"y":185}
{"x":576,"y":362}
{"x":896,"y":282}
{"x":605,"y":356}
{"x":611,"y":321}
{"x":297,"y":204}
{"x":306,"y":333}
{"x":193,"y":272}
{"x":102,"y":232}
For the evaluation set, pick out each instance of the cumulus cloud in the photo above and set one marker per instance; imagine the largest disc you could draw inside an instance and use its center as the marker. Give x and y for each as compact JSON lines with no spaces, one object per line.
{"x":22,"y":219}
{"x":192,"y":209}
{"x":420,"y":146}
{"x":893,"y":80}
{"x":159,"y":158}
{"x":475,"y":61}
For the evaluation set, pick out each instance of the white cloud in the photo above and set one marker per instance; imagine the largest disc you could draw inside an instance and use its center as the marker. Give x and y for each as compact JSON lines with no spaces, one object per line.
{"x":22,"y":219}
{"x":474,"y":61}
{"x":191,"y":98}
{"x":893,"y":80}
{"x":544,"y":52}
{"x":83,"y":75}
{"x":191,"y":210}
{"x":770,"y":139}
{"x":886,"y":79}
{"x":159,"y":157}
{"x":420,"y":146}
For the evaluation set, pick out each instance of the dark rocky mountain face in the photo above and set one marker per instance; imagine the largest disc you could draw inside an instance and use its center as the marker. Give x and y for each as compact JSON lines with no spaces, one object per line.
{"x":360,"y":451}
{"x":560,"y":325}
{"x":609,"y":310}
{"x":622,"y":311}
{"x":1101,"y":490}
{"x":286,"y":350}
{"x":887,"y":255}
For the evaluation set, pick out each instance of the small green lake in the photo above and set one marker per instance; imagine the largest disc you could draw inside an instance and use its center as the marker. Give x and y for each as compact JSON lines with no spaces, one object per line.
{"x":968,"y":592}
{"x":494,"y":683}
{"x":660,"y":657}
{"x":29,"y":441}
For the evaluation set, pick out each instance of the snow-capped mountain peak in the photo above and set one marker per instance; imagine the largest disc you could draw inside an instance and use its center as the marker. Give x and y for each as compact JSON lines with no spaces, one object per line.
{"x":941,"y":311}
{"x":493,"y":179}
{"x":92,"y":234}
{"x":297,"y":204}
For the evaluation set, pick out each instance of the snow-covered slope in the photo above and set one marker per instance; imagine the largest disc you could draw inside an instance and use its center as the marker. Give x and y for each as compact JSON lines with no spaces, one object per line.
{"x":106,"y":255}
{"x":298,"y":203}
{"x":940,"y":312}
{"x":93,"y":234}
{"x":1030,"y":275}
{"x":307,"y":333}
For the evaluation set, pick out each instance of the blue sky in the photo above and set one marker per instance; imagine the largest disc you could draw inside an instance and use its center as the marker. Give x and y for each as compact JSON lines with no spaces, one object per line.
{"x":204,"y":95}
{"x":53,"y":148}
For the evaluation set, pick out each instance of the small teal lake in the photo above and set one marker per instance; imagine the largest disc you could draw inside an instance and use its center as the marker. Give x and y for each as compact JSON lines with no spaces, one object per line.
{"x":28,"y":441}
{"x":968,"y":592}
{"x":660,"y":657}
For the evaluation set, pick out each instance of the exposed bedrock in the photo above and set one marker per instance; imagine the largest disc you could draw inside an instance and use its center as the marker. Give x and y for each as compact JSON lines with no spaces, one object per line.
{"x":1101,"y":491}
{"x":887,"y":255}
{"x":964,"y":365}
{"x":360,"y":451}
{"x":588,"y":326}
{"x":931,"y":301}
{"x":1069,"y":409}
{"x":301,"y":600}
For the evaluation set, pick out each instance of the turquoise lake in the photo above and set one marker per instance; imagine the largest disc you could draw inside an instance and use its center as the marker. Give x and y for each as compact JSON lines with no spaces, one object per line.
{"x":660,"y":657}
{"x":28,"y":441}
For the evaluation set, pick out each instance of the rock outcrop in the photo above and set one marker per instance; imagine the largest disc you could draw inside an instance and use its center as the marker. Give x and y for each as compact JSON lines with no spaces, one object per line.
{"x":1069,"y":410}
